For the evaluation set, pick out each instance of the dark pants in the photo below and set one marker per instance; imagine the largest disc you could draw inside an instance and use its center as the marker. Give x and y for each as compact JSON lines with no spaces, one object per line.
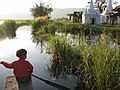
{"x":25,"y":83}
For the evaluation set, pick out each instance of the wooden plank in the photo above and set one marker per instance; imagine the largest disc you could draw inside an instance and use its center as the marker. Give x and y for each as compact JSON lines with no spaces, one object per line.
{"x":10,"y":83}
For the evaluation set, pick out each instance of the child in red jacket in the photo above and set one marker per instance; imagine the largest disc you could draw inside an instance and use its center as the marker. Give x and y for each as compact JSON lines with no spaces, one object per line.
{"x":22,"y":69}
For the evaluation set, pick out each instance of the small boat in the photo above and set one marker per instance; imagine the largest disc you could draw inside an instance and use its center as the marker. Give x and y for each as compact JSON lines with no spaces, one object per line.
{"x":10,"y":83}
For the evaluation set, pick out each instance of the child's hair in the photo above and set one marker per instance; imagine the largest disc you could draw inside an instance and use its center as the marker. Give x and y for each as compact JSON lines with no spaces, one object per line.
{"x":21,"y":52}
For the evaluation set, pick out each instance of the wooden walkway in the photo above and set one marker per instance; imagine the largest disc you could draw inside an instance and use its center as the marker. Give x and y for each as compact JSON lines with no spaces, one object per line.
{"x":10,"y":83}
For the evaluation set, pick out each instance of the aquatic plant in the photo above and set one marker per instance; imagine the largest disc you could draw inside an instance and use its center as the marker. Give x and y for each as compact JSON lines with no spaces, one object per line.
{"x":97,"y":65}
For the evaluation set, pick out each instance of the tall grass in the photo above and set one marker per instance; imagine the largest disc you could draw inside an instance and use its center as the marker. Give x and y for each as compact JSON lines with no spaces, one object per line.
{"x":97,"y":65}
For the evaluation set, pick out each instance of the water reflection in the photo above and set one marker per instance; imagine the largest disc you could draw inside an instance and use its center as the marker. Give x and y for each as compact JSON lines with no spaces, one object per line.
{"x":40,"y":43}
{"x":40,"y":61}
{"x":43,"y":64}
{"x":7,"y":29}
{"x":1,"y":21}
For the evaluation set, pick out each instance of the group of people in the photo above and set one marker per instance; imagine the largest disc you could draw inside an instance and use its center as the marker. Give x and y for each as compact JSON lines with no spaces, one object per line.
{"x":22,"y":70}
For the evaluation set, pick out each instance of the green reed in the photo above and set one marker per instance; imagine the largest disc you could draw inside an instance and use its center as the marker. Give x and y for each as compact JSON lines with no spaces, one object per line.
{"x":99,"y":61}
{"x":97,"y":65}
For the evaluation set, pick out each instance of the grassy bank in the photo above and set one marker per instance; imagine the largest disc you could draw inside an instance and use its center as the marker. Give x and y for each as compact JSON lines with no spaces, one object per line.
{"x":9,"y":27}
{"x":64,"y":26}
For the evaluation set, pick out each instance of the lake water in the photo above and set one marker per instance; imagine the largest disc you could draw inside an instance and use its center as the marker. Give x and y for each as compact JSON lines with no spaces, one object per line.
{"x":1,"y":21}
{"x":40,"y":60}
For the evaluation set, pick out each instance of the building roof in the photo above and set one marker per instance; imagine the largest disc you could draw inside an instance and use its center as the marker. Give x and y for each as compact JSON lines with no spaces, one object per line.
{"x":108,"y":9}
{"x":91,"y":9}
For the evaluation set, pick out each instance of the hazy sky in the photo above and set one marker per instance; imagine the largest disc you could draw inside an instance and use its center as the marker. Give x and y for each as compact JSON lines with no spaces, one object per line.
{"x":11,"y":7}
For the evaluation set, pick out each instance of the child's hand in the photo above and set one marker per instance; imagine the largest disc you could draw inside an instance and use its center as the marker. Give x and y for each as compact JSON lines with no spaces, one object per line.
{"x":2,"y":62}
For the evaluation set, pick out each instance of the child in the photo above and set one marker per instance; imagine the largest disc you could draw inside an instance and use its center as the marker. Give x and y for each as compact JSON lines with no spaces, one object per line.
{"x":22,"y":70}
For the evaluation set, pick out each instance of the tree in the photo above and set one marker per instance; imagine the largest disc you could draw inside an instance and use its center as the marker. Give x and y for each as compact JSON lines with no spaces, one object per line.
{"x":41,"y":10}
{"x":101,"y":4}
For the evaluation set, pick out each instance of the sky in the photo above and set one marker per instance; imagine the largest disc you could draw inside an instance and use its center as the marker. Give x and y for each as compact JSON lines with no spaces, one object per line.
{"x":10,"y":8}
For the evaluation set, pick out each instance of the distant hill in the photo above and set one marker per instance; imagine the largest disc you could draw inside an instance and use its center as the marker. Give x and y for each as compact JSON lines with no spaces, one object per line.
{"x":57,"y":13}
{"x":60,"y":13}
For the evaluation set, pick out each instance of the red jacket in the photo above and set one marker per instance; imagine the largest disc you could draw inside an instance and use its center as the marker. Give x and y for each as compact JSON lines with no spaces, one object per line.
{"x":22,"y":68}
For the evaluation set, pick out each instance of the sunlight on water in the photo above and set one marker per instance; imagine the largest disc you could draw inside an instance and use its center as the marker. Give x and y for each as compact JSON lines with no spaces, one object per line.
{"x":22,"y":40}
{"x":6,"y":47}
{"x":1,"y":22}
